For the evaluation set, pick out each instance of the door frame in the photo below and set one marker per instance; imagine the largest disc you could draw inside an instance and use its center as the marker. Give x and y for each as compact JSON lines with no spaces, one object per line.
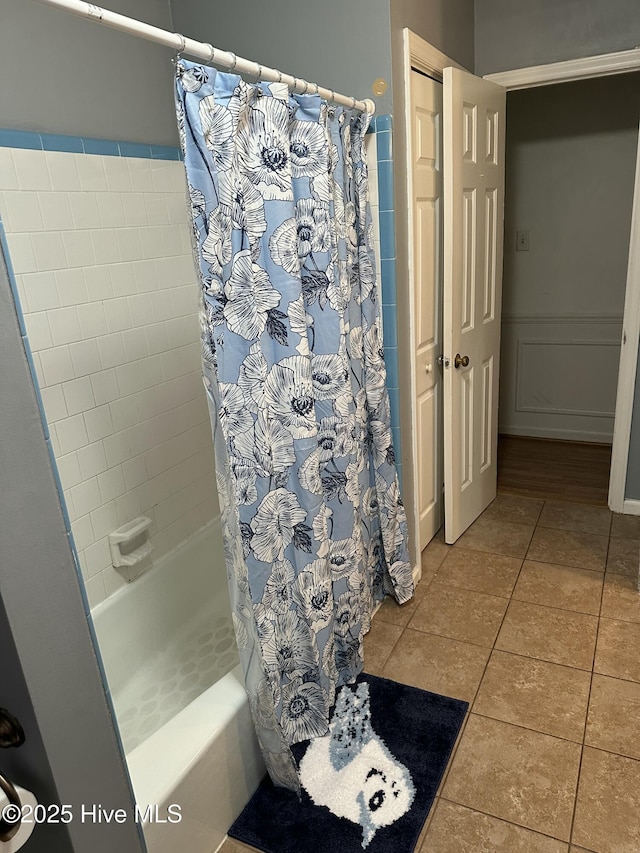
{"x":420,"y":54}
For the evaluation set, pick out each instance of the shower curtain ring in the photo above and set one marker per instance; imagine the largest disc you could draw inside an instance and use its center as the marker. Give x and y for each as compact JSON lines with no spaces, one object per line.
{"x":183,"y":43}
{"x":317,"y":88}
{"x":235,"y":60}
{"x":212,"y":52}
{"x":353,"y":105}
{"x":306,"y":87}
{"x":259,"y":74}
{"x":279,"y":76}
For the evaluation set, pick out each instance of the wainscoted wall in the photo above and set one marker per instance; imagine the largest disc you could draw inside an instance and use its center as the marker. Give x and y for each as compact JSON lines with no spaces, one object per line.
{"x":558,"y":376}
{"x":101,"y":252}
{"x":570,"y":165}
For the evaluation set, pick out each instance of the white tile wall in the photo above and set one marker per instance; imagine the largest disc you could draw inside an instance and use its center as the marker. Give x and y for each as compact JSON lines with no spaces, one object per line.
{"x":101,"y":251}
{"x":371,"y":148}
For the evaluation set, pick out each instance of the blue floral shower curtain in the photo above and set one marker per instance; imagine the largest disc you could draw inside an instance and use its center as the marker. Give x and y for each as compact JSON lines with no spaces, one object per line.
{"x":313,"y":522}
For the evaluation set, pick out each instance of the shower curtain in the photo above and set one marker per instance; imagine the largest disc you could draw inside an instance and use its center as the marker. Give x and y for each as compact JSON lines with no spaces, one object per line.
{"x":313,"y":523}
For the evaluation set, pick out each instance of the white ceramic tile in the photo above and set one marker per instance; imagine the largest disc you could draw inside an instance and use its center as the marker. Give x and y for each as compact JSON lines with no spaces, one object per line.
{"x":64,"y":325}
{"x":113,"y":580}
{"x":135,"y":209}
{"x":185,"y":300}
{"x":71,"y":434}
{"x":129,"y":378}
{"x":135,"y":344}
{"x":97,"y":557}
{"x":92,"y":460}
{"x":153,"y":243}
{"x":38,"y":331}
{"x":21,"y":211}
{"x":54,"y":404}
{"x":134,"y":471}
{"x":111,"y":210}
{"x":31,"y":168}
{"x":105,"y":245}
{"x":41,"y":291}
{"x":69,"y":469}
{"x":78,"y":395}
{"x":85,"y":357}
{"x":86,"y":496}
{"x":155,"y":336}
{"x":117,"y":174}
{"x":175,"y":335}
{"x":130,"y":244}
{"x":63,"y":171}
{"x":104,"y":520}
{"x":139,"y":174}
{"x":123,"y":279}
{"x":57,"y":365}
{"x":68,"y":501}
{"x":82,"y":532}
{"x":177,"y":211}
{"x":71,"y":286}
{"x":128,"y":507}
{"x":56,"y":211}
{"x":156,"y":207}
{"x":48,"y":250}
{"x":93,"y":321}
{"x":37,"y":363}
{"x":98,"y":422}
{"x":78,"y":247}
{"x":146,"y":276}
{"x":123,"y":413}
{"x":95,"y":589}
{"x":117,"y":448}
{"x":117,"y":314}
{"x":111,"y":350}
{"x":98,"y":281}
{"x":22,"y":255}
{"x":84,"y":208}
{"x":105,"y":386}
{"x":8,"y":175}
{"x":111,"y":483}
{"x":91,"y":172}
{"x":162,"y":176}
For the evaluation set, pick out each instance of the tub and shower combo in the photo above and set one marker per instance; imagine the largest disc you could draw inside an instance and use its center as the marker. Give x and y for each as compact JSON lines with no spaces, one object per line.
{"x":171,"y":662}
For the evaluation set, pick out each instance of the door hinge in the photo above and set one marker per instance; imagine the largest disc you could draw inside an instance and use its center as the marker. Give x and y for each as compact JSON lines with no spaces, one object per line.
{"x":443,"y":361}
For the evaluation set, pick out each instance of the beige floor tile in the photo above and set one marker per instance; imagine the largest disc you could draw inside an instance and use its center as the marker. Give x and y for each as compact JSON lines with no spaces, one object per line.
{"x":233,"y":846}
{"x":621,"y":599}
{"x":608,"y":808}
{"x":479,"y":571}
{"x":437,"y":664}
{"x":613,"y":723}
{"x":559,"y":586}
{"x":433,"y":555}
{"x":497,"y":537}
{"x":457,"y":829}
{"x":460,"y":614}
{"x":581,"y":518}
{"x":379,"y":643}
{"x":396,"y":614}
{"x":567,"y":548}
{"x":514,"y":508}
{"x":624,"y":557}
{"x":535,"y":694}
{"x":516,"y":774}
{"x":558,"y":636}
{"x":618,"y":649}
{"x":625,"y":526}
{"x":574,"y":849}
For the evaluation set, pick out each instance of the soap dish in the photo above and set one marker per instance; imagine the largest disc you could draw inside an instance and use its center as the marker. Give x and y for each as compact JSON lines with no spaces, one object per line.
{"x":129,"y":544}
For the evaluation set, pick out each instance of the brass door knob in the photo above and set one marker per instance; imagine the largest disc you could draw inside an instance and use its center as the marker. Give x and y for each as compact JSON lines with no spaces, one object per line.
{"x":461,"y":360}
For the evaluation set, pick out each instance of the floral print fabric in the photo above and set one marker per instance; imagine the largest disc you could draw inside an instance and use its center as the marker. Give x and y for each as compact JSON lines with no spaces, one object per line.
{"x":313,"y":522}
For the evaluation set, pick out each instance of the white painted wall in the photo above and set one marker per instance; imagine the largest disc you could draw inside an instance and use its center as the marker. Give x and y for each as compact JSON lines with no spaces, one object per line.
{"x":571,"y":153}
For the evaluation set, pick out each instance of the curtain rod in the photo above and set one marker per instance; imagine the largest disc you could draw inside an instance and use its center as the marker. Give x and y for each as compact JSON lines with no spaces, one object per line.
{"x":204,"y":51}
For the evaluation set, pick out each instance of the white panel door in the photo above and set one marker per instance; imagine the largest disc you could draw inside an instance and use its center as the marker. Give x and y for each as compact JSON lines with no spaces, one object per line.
{"x":426,"y":149}
{"x":474,"y":145}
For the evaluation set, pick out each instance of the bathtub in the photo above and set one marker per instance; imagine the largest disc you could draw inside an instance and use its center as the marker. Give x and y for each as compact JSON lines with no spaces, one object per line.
{"x":169,"y":654}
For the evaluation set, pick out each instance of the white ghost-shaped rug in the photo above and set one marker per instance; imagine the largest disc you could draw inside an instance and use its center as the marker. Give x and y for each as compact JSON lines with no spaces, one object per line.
{"x":352,"y":772}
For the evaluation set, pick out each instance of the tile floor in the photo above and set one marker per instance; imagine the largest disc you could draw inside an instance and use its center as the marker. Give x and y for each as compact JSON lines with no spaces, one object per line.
{"x":533,"y":617}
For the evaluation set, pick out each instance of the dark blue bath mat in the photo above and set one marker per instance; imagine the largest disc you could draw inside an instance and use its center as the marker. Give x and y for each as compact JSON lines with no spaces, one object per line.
{"x":369,"y":784}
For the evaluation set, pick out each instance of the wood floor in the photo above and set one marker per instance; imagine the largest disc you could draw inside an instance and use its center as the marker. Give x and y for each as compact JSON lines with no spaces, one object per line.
{"x":558,"y":470}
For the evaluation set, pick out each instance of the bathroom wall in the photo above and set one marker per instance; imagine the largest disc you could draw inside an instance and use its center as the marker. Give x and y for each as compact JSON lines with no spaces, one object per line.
{"x":518,"y":33}
{"x":570,"y":166}
{"x":63,"y":74}
{"x":101,"y":250}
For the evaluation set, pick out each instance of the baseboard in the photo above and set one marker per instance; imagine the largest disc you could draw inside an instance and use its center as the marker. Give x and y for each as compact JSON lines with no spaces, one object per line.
{"x":631,"y":506}
{"x":558,"y":434}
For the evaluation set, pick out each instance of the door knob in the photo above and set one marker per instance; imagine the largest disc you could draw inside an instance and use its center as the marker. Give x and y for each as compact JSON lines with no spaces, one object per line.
{"x":461,"y":360}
